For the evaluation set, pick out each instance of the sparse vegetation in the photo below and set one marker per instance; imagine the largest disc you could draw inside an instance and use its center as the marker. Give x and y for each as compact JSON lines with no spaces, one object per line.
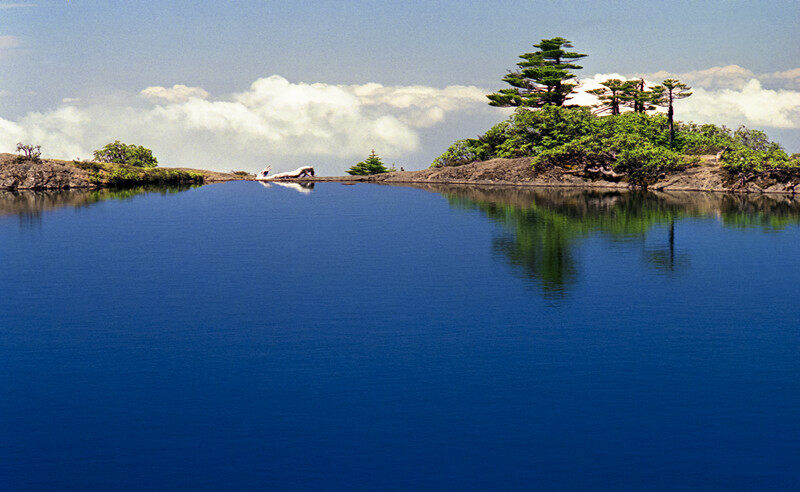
{"x":29,"y":152}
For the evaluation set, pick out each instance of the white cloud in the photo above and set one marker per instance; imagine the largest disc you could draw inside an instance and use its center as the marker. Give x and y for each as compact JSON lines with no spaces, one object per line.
{"x":8,"y":42}
{"x":751,"y":105}
{"x":731,"y":77}
{"x":177,"y":93}
{"x":274,"y":120}
{"x":7,"y":6}
{"x":581,"y":98}
{"x":731,"y":100}
{"x":421,"y":106}
{"x":789,"y":79}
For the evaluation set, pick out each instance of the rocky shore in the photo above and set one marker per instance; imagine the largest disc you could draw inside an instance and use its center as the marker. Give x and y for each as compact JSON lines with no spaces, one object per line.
{"x":705,"y":175}
{"x":53,"y":174}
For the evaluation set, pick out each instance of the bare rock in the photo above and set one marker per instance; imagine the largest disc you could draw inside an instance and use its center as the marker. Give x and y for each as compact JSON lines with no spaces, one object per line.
{"x":40,"y":175}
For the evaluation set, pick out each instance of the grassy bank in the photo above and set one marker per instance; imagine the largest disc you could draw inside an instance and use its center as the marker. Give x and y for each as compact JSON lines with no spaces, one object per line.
{"x":122,"y":176}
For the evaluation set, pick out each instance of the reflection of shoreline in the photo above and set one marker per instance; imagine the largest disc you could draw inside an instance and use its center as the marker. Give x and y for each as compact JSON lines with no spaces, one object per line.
{"x":769,"y":210}
{"x":544,"y":227}
{"x":304,"y":188}
{"x":29,"y":204}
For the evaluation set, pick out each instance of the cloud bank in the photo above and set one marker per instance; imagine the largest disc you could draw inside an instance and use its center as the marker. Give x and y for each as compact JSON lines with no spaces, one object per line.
{"x":731,"y":77}
{"x":273,"y":119}
{"x":286,"y":124}
{"x":729,"y":95}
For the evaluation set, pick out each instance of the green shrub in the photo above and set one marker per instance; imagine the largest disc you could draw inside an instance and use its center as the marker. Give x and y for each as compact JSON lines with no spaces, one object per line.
{"x":461,"y":152}
{"x":751,"y":152}
{"x":587,"y":151}
{"x":755,"y":140}
{"x":646,"y":163}
{"x":694,"y":139}
{"x":652,"y":129}
{"x":742,"y":159}
{"x":129,"y":155}
{"x":531,"y":132}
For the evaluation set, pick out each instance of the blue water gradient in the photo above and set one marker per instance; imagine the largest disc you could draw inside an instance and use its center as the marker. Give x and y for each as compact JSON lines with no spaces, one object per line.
{"x":373,"y":337}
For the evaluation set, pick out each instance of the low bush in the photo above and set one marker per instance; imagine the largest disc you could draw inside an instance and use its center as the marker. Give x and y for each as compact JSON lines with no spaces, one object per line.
{"x":461,"y":152}
{"x":126,"y":176}
{"x":122,"y":176}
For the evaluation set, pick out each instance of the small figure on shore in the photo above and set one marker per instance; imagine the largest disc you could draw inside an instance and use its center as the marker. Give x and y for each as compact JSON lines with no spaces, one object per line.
{"x":300,"y":172}
{"x":263,"y":174}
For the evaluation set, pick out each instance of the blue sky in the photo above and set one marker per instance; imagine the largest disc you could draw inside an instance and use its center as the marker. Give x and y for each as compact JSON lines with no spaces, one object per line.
{"x":56,"y":55}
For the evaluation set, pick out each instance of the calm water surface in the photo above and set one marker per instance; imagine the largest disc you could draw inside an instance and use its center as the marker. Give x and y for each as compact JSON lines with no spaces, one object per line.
{"x":369,"y":337}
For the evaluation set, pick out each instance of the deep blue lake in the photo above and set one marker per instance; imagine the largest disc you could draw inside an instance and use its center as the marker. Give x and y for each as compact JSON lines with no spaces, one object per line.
{"x":237,"y":337}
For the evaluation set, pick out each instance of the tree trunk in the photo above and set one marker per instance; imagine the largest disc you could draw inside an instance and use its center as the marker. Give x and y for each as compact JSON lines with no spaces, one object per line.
{"x":671,"y":126}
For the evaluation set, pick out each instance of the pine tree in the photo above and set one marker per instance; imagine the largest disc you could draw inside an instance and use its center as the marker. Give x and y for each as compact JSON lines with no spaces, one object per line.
{"x":665,"y":95}
{"x":543,"y":77}
{"x":371,"y":165}
{"x":612,"y":95}
{"x":637,"y":97}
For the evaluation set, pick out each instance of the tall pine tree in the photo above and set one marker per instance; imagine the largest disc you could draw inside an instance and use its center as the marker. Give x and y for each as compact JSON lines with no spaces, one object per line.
{"x":543,"y":77}
{"x":665,"y":95}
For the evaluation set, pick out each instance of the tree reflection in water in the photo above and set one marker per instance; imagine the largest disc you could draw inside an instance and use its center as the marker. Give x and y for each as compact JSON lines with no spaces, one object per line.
{"x":545,"y":226}
{"x":29,"y":205}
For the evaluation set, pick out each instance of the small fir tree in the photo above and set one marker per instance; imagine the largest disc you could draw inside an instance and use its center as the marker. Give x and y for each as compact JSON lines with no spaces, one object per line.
{"x":371,"y":165}
{"x":543,"y":77}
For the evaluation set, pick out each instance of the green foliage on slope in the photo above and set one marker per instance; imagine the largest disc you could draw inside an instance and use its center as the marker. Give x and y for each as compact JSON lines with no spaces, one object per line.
{"x":124,"y":176}
{"x":636,"y":144}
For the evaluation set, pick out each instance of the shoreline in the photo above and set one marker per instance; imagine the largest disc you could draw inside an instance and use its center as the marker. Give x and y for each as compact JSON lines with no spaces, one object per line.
{"x":705,"y":176}
{"x":56,"y":174}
